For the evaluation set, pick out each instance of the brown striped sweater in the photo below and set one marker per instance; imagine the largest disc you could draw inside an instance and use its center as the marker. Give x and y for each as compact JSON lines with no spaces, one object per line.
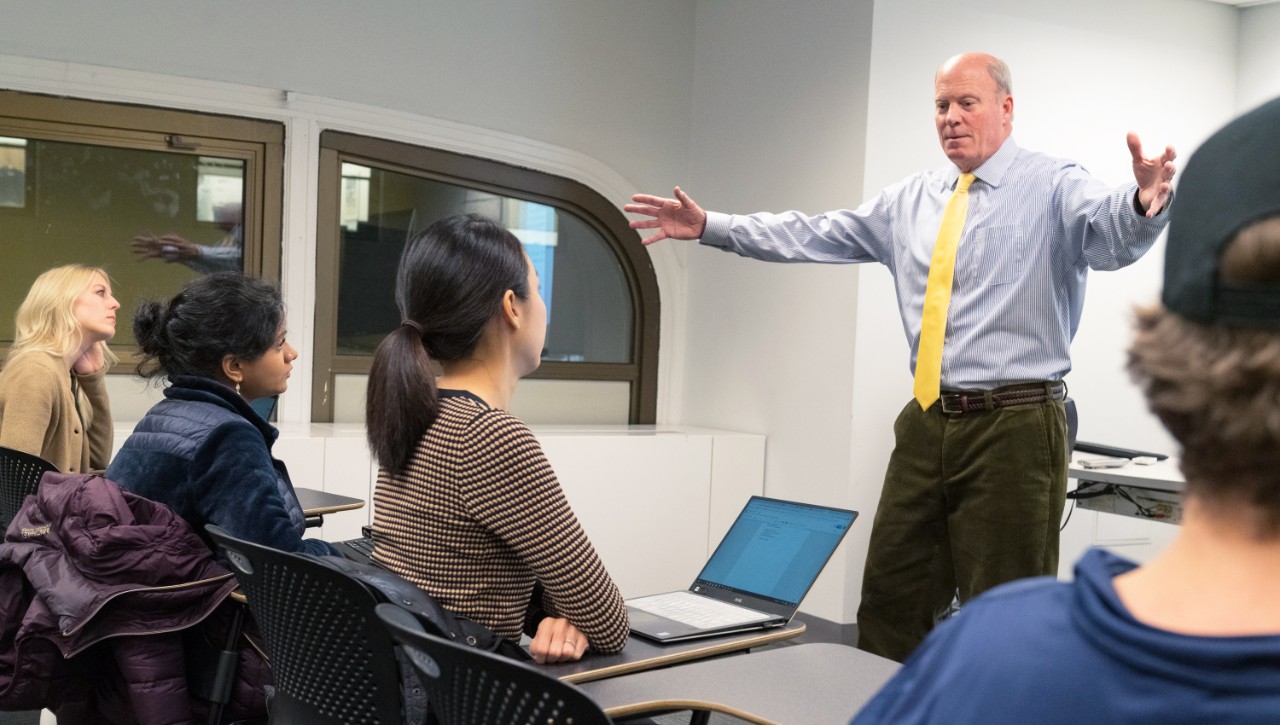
{"x":477,"y":518}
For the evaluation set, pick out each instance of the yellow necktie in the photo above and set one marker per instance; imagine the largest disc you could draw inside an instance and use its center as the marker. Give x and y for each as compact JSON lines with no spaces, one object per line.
{"x":937,"y":295}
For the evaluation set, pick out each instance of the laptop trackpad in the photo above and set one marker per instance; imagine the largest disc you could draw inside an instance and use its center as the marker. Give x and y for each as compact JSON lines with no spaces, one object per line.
{"x":655,"y":627}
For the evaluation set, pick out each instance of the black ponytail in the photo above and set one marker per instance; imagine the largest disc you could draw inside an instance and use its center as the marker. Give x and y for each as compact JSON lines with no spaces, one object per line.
{"x":401,"y":400}
{"x":450,"y":283}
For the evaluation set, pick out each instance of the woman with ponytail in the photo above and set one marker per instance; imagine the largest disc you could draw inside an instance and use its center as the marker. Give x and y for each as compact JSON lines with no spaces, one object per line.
{"x":466,"y":504}
{"x":53,"y":393}
{"x":203,"y":451}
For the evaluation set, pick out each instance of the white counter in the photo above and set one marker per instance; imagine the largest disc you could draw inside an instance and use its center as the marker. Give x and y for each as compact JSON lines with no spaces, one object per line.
{"x":653,"y":499}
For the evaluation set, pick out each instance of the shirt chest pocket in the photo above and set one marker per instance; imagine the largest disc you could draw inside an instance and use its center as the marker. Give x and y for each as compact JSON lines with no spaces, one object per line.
{"x":993,"y":255}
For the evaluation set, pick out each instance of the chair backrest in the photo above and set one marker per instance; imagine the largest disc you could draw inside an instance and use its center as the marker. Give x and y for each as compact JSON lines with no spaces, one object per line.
{"x":332,"y":660}
{"x":468,"y":686}
{"x":19,"y":477}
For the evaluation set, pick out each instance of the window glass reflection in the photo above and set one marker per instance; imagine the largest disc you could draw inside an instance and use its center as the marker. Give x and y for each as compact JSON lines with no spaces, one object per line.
{"x":152,"y":219}
{"x":589,"y":313}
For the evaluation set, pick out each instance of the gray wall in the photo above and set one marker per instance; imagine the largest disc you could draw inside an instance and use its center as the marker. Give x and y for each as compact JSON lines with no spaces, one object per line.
{"x":608,"y":79}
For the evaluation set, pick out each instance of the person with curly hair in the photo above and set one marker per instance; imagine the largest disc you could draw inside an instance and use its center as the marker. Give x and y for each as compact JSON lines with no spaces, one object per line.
{"x":203,"y":451}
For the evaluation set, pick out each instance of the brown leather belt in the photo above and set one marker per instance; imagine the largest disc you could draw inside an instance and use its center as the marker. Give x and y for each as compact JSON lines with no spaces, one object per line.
{"x":959,"y":402}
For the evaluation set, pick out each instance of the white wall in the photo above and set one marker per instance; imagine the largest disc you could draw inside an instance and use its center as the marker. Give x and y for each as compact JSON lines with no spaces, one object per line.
{"x":779,"y":103}
{"x":1259,"y":56}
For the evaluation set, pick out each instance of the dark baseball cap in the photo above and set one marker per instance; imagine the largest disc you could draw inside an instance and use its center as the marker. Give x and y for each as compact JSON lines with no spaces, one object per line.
{"x":1231,"y":181}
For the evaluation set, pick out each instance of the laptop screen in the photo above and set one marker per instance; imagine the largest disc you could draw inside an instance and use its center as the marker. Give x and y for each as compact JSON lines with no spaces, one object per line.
{"x":776,"y":549}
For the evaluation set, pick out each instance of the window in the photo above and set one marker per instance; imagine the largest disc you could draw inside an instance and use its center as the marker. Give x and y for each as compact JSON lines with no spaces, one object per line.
{"x":153,"y":196}
{"x":13,"y":173}
{"x":598,"y":283}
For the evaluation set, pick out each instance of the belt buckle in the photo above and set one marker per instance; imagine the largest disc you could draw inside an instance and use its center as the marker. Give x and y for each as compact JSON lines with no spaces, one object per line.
{"x":957,"y":397}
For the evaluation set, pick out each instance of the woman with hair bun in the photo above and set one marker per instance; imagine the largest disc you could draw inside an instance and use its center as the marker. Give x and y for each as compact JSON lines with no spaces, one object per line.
{"x":467,"y":506}
{"x":53,"y":394}
{"x":203,"y":451}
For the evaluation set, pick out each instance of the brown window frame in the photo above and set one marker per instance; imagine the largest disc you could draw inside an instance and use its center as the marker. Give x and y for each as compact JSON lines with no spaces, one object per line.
{"x":503,"y":179}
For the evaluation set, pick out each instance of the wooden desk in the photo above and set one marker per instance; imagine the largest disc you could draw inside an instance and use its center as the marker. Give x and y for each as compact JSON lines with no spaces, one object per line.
{"x":1157,"y":489}
{"x":315,"y":504}
{"x":805,"y":683}
{"x":642,"y":654}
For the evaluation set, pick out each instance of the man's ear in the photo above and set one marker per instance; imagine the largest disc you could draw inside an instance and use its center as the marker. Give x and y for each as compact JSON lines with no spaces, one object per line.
{"x":231,"y":369}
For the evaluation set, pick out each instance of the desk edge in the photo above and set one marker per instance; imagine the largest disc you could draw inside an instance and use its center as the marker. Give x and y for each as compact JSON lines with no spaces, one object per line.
{"x":778,"y":635}
{"x":658,"y":706}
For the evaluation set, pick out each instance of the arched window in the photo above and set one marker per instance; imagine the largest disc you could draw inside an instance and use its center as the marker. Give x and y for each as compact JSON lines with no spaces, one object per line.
{"x":600,"y":360}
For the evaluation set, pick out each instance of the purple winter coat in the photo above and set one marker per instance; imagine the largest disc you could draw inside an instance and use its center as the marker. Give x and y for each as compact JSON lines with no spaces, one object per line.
{"x":97,"y":586}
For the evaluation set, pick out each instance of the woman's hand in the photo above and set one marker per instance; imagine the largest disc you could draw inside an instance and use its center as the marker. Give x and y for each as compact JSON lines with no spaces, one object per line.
{"x":91,"y":361}
{"x":557,"y":641}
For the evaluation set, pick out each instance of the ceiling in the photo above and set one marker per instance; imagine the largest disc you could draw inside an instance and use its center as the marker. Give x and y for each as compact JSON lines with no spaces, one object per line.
{"x":1244,"y":3}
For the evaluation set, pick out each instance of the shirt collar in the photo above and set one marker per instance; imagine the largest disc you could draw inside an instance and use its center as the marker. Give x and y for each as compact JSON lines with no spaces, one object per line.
{"x":991,"y":172}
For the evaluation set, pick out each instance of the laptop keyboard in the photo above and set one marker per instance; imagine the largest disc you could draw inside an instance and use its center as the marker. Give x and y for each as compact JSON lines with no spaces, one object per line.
{"x":364,"y":545}
{"x":695,"y":610}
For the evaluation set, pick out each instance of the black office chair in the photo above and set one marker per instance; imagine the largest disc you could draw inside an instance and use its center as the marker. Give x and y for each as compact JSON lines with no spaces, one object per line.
{"x":332,"y":660}
{"x":19,"y":477}
{"x":468,"y":686}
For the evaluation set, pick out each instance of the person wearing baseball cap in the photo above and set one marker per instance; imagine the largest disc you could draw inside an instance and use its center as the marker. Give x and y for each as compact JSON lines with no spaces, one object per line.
{"x":1194,"y":635}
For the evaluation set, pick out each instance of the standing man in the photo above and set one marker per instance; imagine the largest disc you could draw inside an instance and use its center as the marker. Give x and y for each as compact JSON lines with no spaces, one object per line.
{"x":1193,"y":636}
{"x":989,"y":257}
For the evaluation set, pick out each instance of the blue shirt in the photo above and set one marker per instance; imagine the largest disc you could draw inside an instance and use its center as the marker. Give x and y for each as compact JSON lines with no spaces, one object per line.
{"x":1057,"y":653}
{"x":1035,"y":226}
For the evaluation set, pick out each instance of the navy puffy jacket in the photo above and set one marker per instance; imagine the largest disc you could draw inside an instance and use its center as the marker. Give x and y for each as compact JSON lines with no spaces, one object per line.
{"x":206,"y":454}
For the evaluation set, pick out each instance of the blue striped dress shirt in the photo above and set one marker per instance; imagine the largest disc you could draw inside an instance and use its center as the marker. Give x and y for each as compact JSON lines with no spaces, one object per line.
{"x":1036,"y":226}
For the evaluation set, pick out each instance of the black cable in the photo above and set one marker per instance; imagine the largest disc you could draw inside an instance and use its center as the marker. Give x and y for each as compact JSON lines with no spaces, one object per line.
{"x":1122,"y":493}
{"x":1107,"y":489}
{"x":1084,"y":490}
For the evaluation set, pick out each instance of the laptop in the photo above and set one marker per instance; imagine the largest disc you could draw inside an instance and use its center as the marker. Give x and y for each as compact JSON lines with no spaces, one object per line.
{"x":756,"y":578}
{"x":360,"y":549}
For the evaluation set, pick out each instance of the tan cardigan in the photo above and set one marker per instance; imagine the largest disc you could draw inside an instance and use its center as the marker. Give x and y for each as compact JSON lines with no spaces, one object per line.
{"x":38,"y":413}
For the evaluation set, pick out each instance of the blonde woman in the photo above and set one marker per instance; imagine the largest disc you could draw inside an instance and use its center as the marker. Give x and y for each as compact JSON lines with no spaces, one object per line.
{"x":53,"y":396}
